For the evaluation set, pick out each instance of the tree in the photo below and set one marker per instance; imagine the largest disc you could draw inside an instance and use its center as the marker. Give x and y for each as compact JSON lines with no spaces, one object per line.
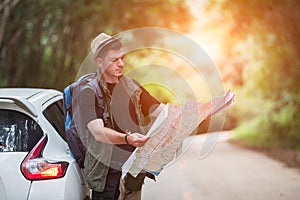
{"x":43,"y":42}
{"x":263,"y":42}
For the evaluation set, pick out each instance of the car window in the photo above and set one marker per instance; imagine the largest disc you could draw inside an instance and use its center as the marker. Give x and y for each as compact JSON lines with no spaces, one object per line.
{"x":55,"y":115}
{"x":18,"y":131}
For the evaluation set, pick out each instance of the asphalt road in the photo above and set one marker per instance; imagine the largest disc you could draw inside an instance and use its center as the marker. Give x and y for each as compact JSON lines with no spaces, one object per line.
{"x":228,"y":172}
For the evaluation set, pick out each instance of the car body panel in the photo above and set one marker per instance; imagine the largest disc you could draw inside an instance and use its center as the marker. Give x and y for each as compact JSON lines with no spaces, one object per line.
{"x":13,"y":185}
{"x":31,"y":100}
{"x":69,"y":187}
{"x":9,"y":173}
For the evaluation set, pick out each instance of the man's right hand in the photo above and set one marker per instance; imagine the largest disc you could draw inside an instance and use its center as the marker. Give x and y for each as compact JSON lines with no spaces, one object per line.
{"x":137,"y":139}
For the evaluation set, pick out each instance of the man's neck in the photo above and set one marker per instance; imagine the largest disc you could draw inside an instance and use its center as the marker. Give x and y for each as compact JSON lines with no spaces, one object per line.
{"x":109,"y":79}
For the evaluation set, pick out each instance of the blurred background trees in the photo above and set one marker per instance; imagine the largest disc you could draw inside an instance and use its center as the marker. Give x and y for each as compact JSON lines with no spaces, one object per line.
{"x":43,"y":42}
{"x":261,"y":59}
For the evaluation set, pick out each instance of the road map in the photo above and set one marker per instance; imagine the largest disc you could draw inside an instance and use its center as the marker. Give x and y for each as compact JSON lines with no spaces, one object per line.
{"x":171,"y":127}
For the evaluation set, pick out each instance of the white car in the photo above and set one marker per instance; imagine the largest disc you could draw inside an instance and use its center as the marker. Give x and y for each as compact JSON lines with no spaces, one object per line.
{"x":35,"y":160}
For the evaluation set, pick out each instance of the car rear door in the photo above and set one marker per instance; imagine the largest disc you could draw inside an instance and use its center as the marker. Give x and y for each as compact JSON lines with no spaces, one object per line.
{"x":19,"y":133}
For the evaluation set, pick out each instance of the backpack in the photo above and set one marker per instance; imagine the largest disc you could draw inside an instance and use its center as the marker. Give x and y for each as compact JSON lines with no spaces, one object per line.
{"x":76,"y":146}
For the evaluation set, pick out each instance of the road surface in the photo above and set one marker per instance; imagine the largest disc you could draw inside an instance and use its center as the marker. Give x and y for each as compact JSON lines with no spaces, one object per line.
{"x":228,"y":172}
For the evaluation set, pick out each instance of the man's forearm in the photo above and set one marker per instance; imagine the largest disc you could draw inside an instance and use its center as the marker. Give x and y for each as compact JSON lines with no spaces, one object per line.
{"x":104,"y":134}
{"x":108,"y":135}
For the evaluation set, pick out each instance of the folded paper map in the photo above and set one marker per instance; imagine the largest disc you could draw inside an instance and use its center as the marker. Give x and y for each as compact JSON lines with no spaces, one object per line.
{"x":172,"y":126}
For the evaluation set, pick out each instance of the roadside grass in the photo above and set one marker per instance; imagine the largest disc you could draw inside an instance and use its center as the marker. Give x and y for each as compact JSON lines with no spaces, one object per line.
{"x":264,"y":133}
{"x":255,"y":135}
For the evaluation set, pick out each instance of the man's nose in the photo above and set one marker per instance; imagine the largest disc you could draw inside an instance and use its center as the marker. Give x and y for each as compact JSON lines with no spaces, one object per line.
{"x":120,"y":62}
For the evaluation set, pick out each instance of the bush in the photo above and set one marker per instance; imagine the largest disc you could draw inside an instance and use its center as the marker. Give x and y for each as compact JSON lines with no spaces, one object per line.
{"x":279,"y":127}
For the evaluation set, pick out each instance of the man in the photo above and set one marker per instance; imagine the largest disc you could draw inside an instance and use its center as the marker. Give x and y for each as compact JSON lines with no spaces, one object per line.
{"x":112,"y":130}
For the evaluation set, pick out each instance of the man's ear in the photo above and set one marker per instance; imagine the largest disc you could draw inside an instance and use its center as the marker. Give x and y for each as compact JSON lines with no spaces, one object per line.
{"x":99,"y":61}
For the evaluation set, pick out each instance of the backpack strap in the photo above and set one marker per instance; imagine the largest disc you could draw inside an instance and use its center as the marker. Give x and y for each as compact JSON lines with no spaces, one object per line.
{"x":100,"y":100}
{"x":67,"y":104}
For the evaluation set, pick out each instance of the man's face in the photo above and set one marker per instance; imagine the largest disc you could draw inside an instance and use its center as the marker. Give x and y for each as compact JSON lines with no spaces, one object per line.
{"x":112,"y":65}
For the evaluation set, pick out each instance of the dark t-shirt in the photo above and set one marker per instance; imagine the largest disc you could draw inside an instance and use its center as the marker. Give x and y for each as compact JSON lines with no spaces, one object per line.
{"x":125,"y":118}
{"x":123,"y":115}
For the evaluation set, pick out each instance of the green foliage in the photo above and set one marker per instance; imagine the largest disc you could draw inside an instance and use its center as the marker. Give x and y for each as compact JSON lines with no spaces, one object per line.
{"x":167,"y":76}
{"x":268,"y":122}
{"x":45,"y":42}
{"x":265,"y":43}
{"x":279,"y":127}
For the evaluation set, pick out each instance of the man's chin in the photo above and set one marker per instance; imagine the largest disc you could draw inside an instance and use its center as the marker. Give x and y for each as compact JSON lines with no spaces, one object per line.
{"x":119,"y":74}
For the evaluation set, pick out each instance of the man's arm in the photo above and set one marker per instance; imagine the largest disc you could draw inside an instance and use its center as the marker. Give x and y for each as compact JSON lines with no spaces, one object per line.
{"x":148,"y":102}
{"x":108,"y":135}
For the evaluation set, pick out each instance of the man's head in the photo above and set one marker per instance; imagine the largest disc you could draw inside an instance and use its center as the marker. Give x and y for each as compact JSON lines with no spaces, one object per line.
{"x":102,"y":43}
{"x":108,"y":54}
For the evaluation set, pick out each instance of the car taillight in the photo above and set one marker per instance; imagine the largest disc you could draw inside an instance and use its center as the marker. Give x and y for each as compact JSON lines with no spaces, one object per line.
{"x":35,"y":167}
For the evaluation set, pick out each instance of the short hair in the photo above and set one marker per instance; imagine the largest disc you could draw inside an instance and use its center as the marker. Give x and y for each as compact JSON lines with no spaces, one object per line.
{"x":115,"y":44}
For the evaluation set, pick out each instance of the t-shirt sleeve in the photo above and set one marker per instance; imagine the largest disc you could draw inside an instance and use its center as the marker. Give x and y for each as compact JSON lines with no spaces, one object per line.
{"x":84,"y":108}
{"x":148,"y":102}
